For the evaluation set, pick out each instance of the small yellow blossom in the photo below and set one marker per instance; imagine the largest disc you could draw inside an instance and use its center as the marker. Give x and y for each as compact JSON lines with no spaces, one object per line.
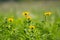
{"x":32,"y":27}
{"x":10,"y":19}
{"x":47,"y":14}
{"x":25,"y":13}
{"x":28,"y":17}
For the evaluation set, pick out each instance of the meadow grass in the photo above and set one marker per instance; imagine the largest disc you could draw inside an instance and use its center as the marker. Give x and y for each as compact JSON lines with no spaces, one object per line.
{"x":38,"y":27}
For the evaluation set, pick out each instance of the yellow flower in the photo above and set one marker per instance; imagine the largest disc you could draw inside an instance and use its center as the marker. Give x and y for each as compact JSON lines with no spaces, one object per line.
{"x":32,"y":27}
{"x":10,"y":19}
{"x":47,"y":13}
{"x":25,"y":13}
{"x":28,"y":17}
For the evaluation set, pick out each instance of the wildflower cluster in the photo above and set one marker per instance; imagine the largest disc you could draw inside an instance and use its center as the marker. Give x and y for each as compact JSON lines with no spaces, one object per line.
{"x":29,"y":29}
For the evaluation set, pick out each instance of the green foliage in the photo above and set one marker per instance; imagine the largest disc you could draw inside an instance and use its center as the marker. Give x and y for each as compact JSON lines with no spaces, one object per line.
{"x":19,"y":29}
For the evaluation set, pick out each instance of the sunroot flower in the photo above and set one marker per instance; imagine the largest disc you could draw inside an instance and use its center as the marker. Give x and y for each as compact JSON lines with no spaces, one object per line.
{"x":25,"y":13}
{"x":47,"y":13}
{"x":32,"y":27}
{"x":28,"y":17}
{"x":10,"y":19}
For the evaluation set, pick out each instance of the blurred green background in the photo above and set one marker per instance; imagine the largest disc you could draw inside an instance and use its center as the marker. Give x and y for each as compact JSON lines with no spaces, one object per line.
{"x":29,"y":0}
{"x":12,"y":7}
